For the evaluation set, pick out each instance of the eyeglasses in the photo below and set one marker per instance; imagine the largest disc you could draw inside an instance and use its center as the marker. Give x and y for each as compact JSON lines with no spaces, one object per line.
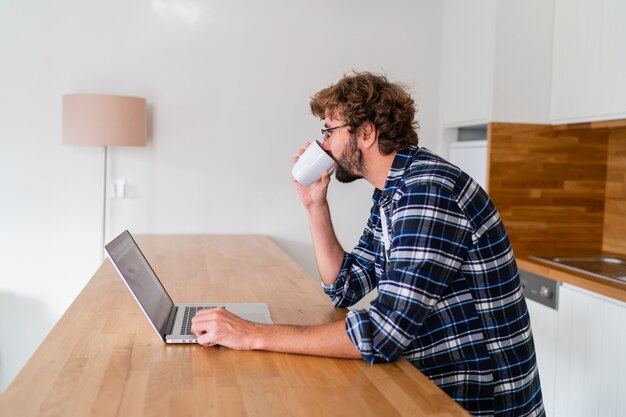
{"x":327,"y":132}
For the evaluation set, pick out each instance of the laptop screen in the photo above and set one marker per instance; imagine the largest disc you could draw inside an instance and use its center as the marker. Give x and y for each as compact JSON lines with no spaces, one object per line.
{"x":141,"y":279}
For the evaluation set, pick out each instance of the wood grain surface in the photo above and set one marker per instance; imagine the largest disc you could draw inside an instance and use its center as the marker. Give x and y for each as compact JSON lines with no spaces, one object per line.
{"x":103,"y":359}
{"x":615,"y":205}
{"x":548,"y":184}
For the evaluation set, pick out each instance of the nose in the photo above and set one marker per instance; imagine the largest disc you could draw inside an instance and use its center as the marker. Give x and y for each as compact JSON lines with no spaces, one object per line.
{"x":326,"y":148}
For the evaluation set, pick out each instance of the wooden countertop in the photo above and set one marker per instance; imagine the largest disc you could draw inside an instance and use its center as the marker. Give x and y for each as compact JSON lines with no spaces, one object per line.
{"x":607,"y":288}
{"x":103,"y":359}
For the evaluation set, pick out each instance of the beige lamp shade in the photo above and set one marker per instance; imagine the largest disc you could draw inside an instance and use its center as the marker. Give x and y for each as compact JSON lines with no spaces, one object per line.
{"x":104,"y":120}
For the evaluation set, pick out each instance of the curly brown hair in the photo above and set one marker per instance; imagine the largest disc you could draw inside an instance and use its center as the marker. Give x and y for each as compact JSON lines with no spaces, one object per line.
{"x":365,"y":96}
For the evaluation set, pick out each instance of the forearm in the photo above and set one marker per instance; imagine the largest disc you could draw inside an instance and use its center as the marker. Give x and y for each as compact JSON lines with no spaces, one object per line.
{"x":328,"y":340}
{"x":218,"y":326}
{"x":328,"y":250}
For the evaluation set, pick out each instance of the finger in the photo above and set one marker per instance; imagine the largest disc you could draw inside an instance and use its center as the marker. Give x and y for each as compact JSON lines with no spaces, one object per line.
{"x":199,"y":328}
{"x":203,"y":311}
{"x":299,"y":186}
{"x":206,"y":340}
{"x":201,"y":325}
{"x":325,"y":179}
{"x":301,"y":150}
{"x":200,"y":314}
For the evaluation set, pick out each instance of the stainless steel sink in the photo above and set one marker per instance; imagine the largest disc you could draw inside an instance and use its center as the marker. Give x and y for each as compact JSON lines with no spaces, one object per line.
{"x":606,"y":267}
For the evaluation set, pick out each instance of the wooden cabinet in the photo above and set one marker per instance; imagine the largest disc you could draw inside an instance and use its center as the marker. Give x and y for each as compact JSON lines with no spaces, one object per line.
{"x":590,"y":355}
{"x":589,"y":60}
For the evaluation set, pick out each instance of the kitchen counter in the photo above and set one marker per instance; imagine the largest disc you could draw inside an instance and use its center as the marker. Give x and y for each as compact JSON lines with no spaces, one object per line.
{"x":607,"y":288}
{"x":104,"y":359}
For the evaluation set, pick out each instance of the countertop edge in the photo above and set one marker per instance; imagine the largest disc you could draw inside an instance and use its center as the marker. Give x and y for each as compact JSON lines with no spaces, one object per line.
{"x":612,"y":290}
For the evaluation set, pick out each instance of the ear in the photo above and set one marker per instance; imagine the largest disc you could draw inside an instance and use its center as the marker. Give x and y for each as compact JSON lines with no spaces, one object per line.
{"x":368,"y":134}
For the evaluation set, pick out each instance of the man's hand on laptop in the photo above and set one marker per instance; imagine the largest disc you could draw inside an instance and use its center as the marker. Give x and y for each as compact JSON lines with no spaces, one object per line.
{"x":218,"y":326}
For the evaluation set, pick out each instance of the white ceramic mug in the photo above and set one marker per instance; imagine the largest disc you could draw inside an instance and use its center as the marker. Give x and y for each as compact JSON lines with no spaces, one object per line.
{"x":311,"y":164}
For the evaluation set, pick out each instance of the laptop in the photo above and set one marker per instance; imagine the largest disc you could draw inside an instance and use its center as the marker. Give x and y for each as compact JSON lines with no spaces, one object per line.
{"x":171,"y":321}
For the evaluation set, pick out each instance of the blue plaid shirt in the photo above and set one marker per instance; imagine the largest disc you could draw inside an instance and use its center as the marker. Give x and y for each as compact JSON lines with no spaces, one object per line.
{"x":449,"y":296}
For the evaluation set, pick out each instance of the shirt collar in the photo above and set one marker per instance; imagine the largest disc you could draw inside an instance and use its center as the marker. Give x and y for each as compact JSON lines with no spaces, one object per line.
{"x":401,"y":162}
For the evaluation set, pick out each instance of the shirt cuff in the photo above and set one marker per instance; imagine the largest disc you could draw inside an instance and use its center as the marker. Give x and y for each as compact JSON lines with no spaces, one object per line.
{"x":358,"y":328}
{"x":336,"y":287}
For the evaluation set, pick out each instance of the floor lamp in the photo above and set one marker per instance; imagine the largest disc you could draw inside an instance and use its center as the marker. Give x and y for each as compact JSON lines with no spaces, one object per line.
{"x":104,"y":120}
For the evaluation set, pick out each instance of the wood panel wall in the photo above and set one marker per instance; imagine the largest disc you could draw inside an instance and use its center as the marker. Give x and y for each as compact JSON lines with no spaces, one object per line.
{"x":615,"y":204}
{"x":549,"y":183}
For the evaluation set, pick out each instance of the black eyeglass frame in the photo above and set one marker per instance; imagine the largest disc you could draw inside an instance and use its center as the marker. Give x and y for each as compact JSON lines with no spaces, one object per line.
{"x":328,"y":131}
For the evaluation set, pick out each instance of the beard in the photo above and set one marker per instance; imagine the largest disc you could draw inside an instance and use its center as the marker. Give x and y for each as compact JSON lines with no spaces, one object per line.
{"x":349,"y":166}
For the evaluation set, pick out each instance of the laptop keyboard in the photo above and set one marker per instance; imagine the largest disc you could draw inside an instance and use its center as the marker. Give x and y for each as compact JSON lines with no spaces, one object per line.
{"x":190,"y":312}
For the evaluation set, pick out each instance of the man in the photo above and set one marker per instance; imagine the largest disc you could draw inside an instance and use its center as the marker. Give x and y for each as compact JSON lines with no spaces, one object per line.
{"x":449,"y":295}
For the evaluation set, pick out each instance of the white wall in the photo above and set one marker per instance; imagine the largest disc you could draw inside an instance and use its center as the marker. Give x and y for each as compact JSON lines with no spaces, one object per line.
{"x":228,"y":85}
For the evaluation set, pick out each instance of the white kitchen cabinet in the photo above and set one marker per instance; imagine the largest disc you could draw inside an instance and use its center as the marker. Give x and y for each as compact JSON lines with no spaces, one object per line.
{"x":496,"y":61}
{"x":590,"y":356}
{"x":471,"y":157}
{"x":544,"y":323}
{"x":537,"y":61}
{"x":522,"y":61}
{"x":589,"y":60}
{"x":467,"y":61}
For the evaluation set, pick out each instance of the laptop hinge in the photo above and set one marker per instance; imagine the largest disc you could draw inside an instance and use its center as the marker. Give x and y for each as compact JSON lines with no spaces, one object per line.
{"x":170,"y":322}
